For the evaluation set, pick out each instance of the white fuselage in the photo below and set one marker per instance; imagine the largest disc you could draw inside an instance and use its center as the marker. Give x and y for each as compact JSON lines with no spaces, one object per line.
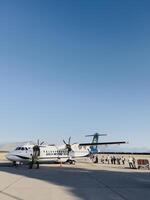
{"x":48,"y":153}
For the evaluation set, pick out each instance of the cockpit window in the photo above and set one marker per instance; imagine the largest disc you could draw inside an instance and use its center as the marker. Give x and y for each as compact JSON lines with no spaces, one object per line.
{"x":21,"y":148}
{"x":18,"y":148}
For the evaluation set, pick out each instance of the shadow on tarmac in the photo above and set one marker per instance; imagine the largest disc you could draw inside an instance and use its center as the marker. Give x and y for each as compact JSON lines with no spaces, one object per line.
{"x":86,"y":184}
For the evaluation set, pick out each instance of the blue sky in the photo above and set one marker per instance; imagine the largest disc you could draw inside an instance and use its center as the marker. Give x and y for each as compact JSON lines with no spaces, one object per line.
{"x":73,"y":68}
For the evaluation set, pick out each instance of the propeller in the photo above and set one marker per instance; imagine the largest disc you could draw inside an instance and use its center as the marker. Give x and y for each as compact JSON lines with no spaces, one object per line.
{"x":39,"y":142}
{"x":68,"y":145}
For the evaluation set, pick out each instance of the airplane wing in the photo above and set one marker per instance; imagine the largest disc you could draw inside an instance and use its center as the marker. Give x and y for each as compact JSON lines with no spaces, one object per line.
{"x":102,"y":143}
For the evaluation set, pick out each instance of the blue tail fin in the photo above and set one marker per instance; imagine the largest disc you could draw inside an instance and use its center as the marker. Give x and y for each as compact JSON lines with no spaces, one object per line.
{"x":94,"y":148}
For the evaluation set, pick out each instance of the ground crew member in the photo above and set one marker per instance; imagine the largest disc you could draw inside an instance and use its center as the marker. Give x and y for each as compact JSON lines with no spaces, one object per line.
{"x":34,"y":157}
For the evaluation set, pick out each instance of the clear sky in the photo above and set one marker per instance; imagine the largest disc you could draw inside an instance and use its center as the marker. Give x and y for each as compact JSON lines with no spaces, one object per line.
{"x":70,"y":68}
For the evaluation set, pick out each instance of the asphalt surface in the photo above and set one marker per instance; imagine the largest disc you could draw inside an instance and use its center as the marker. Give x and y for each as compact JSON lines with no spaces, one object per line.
{"x":82,"y":181}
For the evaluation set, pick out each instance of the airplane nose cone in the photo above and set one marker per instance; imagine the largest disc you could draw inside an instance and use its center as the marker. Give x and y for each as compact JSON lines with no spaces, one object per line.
{"x":7,"y":156}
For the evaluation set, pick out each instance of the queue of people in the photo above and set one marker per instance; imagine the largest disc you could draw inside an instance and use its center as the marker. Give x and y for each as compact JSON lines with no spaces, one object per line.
{"x":116,"y":160}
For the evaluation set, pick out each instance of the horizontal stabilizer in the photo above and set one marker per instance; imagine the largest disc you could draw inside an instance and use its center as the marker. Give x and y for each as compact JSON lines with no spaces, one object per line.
{"x":102,"y":143}
{"x":96,"y":135}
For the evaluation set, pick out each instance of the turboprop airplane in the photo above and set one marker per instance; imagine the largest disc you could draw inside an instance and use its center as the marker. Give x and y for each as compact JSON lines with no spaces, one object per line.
{"x":52,"y":153}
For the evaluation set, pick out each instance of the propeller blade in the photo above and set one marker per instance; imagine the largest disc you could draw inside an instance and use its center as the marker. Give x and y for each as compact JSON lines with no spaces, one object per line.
{"x":38,"y":142}
{"x":69,"y":140}
{"x":42,"y":143}
{"x":64,"y":142}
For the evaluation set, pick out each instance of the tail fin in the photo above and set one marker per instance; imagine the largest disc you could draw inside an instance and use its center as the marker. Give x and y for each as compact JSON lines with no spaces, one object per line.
{"x":95,"y":136}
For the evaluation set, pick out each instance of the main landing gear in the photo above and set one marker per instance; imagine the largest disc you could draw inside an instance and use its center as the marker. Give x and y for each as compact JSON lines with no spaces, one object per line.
{"x":71,"y":162}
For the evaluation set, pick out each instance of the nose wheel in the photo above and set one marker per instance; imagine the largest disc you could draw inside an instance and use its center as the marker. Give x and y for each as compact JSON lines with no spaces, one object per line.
{"x":15,"y":164}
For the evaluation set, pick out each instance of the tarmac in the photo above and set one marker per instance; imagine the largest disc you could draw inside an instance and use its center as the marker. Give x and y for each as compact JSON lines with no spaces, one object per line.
{"x":83,"y":181}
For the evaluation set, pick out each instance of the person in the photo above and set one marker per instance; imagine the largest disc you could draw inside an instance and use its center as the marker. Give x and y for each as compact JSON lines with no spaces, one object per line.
{"x":111,"y":159}
{"x":123,"y":160}
{"x":118,"y":161}
{"x":108,"y":159}
{"x":34,"y":157}
{"x":133,"y":161}
{"x":96,"y":159}
{"x":114,"y":160}
{"x":92,"y":157}
{"x":102,"y":160}
{"x":33,"y":161}
{"x":130,"y":160}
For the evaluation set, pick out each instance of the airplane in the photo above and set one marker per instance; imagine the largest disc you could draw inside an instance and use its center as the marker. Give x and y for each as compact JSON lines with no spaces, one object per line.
{"x":56,"y":153}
